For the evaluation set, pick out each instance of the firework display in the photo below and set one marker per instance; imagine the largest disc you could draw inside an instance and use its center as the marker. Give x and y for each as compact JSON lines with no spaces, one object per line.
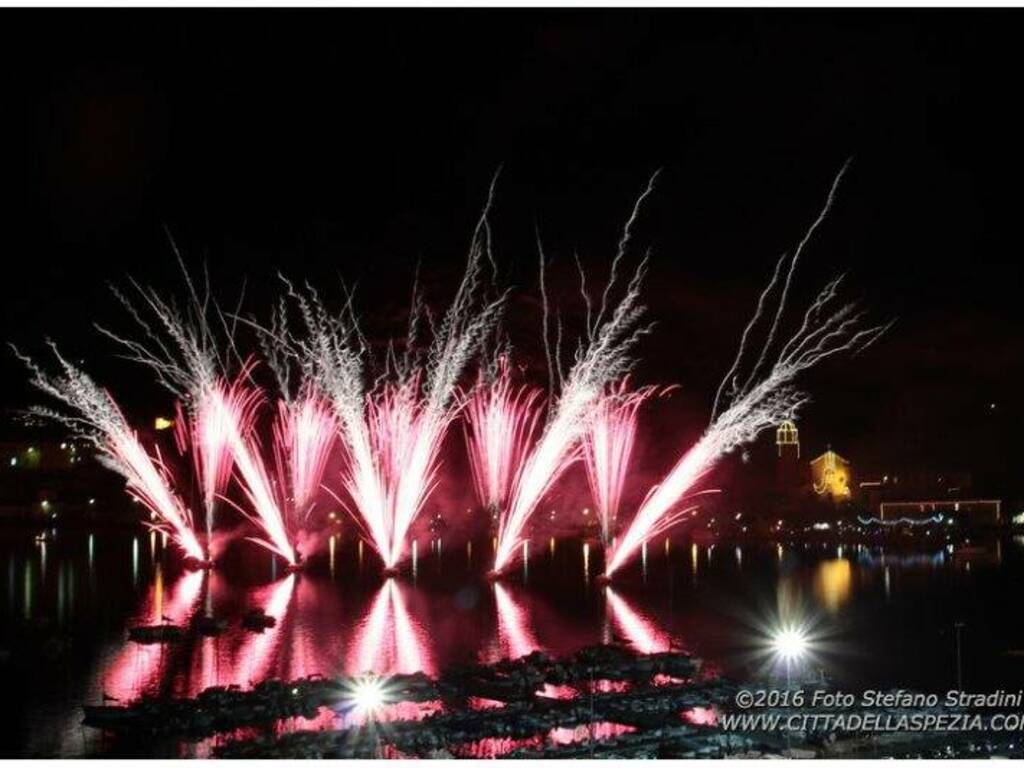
{"x":521,"y":385}
{"x":387,"y":415}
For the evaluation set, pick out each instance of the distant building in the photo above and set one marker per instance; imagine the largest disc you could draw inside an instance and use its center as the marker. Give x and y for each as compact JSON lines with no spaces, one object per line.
{"x":831,"y":476}
{"x":929,"y":494}
{"x":972,"y":511}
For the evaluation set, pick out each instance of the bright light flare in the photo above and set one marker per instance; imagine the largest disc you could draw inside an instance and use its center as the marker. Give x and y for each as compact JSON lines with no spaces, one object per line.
{"x":790,"y":644}
{"x":368,"y":695}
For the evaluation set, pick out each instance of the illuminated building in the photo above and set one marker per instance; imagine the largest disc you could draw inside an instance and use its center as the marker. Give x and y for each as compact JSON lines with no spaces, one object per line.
{"x":929,"y":494}
{"x":830,"y":474}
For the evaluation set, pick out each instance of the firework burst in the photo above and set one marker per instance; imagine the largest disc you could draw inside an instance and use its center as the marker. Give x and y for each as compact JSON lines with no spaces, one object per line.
{"x":236,"y":406}
{"x":391,"y":430}
{"x":304,"y":434}
{"x":602,"y":356}
{"x":94,"y":416}
{"x":204,"y":431}
{"x":500,"y":421}
{"x":760,"y":396}
{"x":190,"y":351}
{"x":608,"y":446}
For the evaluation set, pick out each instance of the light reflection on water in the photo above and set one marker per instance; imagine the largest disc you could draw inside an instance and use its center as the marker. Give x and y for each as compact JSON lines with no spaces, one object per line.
{"x":387,"y":640}
{"x":341,"y":617}
{"x":515,"y":639}
{"x":640,"y":632}
{"x":833,"y":583}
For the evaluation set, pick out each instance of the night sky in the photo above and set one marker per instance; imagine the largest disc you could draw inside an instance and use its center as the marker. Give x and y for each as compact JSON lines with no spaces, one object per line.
{"x":357,"y":143}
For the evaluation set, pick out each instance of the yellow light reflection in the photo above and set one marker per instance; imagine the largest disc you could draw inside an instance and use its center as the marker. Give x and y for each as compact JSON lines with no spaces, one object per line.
{"x":832,"y":584}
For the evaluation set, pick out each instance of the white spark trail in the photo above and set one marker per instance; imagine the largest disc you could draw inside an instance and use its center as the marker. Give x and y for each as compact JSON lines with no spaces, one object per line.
{"x":190,"y":351}
{"x":392,"y":429}
{"x":94,"y":416}
{"x":761,"y":401}
{"x":603,"y":356}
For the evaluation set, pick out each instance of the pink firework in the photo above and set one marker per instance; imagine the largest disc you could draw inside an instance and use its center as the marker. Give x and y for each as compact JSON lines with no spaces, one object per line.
{"x":235,"y":406}
{"x":500,"y":422}
{"x":556,"y":450}
{"x":304,"y":434}
{"x":602,"y":356}
{"x":207,"y":428}
{"x":391,"y":432}
{"x":97,"y":418}
{"x":150,"y":483}
{"x":659,"y":510}
{"x":608,"y":446}
{"x":392,"y":461}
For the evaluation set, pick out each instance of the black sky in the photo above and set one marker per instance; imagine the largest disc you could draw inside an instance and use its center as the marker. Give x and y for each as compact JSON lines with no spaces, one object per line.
{"x":357,"y":142}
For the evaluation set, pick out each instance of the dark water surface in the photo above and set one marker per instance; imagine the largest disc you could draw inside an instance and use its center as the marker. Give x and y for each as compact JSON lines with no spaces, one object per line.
{"x":878,"y":616}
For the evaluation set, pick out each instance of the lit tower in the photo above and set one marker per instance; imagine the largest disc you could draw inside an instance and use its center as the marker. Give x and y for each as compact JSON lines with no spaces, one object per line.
{"x":788,"y":471}
{"x":787,"y":438}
